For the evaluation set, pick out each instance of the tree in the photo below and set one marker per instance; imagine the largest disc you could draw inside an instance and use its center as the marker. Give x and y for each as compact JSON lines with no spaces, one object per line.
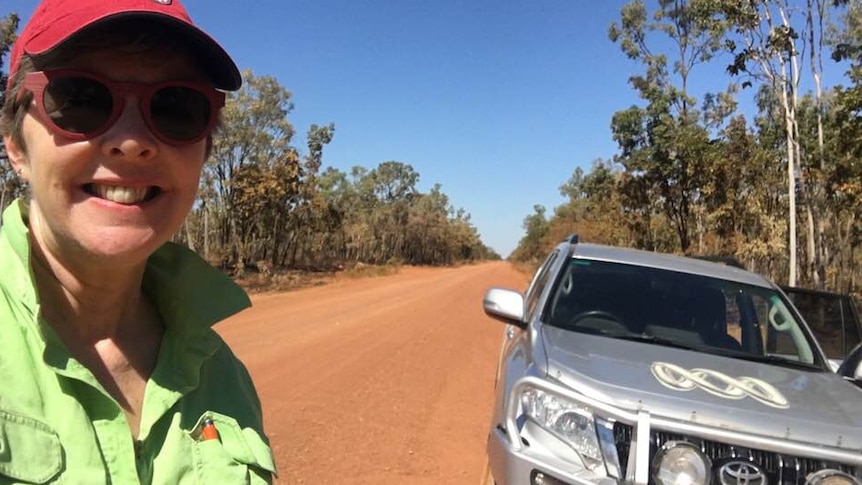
{"x":662,"y":144}
{"x":309,"y":218}
{"x":593,"y":208}
{"x":813,"y":181}
{"x":255,"y":131}
{"x":766,"y":46}
{"x":379,"y":216}
{"x":532,"y":247}
{"x":10,"y":185}
{"x":428,"y":228}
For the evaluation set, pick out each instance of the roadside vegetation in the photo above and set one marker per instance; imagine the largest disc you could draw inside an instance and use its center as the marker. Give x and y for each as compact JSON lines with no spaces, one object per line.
{"x":778,"y":186}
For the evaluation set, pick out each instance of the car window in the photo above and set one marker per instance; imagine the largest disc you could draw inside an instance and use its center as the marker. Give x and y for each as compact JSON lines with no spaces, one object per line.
{"x":678,"y":309}
{"x":540,"y":281}
{"x":852,"y":330}
{"x":831,"y":317}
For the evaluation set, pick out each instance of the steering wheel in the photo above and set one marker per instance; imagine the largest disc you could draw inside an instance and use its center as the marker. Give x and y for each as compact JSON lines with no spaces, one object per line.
{"x":595,"y":314}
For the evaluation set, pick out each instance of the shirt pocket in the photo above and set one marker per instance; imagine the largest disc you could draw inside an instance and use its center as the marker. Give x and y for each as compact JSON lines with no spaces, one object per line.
{"x":30,"y":450}
{"x":236,"y":456}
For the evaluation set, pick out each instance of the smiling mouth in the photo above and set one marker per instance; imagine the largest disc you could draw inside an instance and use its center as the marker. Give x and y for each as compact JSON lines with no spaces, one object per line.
{"x":122,"y":195}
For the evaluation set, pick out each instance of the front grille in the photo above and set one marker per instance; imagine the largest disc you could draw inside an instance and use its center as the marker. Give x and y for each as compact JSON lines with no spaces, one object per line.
{"x":780,"y":469}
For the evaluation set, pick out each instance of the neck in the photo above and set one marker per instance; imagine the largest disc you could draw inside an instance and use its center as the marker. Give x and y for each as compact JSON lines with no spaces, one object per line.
{"x":89,"y":305}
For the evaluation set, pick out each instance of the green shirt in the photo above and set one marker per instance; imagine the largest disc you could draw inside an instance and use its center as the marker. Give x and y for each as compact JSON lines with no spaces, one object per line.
{"x":57,"y":423}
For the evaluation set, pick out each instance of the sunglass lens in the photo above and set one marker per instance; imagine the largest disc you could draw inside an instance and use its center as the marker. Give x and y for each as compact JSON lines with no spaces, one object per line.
{"x":180,"y":113}
{"x":77,"y":104}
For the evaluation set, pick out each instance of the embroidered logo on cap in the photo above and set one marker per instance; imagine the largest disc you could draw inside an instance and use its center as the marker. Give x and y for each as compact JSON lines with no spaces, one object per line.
{"x":164,"y":2}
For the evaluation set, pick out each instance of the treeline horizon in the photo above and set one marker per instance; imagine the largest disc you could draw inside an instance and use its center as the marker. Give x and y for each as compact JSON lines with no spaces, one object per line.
{"x":779,"y":190}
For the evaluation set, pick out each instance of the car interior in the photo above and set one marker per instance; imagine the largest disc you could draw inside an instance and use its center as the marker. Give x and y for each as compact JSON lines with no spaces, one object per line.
{"x":624,"y":300}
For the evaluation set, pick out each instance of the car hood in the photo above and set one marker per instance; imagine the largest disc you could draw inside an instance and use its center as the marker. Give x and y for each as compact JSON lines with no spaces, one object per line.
{"x":763,"y":399}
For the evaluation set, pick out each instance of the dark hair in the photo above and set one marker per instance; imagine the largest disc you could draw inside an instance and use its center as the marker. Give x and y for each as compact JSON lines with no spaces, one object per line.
{"x":128,"y":35}
{"x":11,"y":115}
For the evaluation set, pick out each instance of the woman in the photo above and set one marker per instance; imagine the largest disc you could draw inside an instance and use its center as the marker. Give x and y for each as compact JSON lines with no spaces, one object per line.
{"x":110,"y":371}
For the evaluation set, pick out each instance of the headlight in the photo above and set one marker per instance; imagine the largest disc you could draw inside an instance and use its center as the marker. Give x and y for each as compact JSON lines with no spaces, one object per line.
{"x":681,"y":463}
{"x":831,"y":477}
{"x":569,"y":421}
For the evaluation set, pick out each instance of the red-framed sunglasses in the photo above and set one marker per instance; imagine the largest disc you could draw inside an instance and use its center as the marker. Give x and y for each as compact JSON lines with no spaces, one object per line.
{"x":81,"y":105}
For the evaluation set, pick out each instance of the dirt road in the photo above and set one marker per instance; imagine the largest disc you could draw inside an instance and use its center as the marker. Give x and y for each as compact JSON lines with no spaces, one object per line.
{"x":384,"y":380}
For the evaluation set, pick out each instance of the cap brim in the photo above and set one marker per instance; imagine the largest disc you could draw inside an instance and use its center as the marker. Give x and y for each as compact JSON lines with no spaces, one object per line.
{"x":212,"y":58}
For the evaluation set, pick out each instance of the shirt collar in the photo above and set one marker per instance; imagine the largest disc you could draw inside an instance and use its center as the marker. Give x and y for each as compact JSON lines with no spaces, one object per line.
{"x":190,"y":294}
{"x":15,"y":260}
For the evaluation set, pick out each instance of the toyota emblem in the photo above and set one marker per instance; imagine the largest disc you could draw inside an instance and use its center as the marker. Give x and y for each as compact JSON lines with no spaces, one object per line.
{"x":738,"y":472}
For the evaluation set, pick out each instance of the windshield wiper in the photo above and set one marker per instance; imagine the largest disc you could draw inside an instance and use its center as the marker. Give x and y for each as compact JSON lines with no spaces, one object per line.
{"x":779,"y":361}
{"x":652,"y":339}
{"x":589,"y":330}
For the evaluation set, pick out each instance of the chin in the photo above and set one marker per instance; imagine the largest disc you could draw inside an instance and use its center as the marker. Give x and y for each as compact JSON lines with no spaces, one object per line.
{"x":123,"y":246}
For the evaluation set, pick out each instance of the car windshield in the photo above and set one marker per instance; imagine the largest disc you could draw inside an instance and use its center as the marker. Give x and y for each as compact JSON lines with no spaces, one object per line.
{"x":681,"y":310}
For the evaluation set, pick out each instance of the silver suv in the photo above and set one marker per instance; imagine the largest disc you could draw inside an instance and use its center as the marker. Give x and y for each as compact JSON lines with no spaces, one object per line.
{"x":630,"y":367}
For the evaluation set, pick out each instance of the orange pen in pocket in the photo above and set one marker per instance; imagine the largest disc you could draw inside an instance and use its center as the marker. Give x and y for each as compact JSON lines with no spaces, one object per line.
{"x":209,"y":431}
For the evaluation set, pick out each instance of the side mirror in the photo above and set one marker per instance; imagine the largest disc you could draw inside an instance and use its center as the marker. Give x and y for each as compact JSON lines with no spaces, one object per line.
{"x":505,"y":305}
{"x":851,"y":368}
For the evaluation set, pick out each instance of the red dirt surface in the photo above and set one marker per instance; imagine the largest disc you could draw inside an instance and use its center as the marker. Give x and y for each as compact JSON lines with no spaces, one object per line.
{"x":384,"y":380}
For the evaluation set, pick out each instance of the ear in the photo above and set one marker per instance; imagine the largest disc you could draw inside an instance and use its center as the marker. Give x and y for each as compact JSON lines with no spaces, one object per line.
{"x":17,"y":157}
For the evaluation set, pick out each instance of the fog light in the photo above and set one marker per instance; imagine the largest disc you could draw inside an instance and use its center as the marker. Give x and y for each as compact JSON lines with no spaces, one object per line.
{"x":681,"y":463}
{"x":540,"y":478}
{"x":831,"y":477}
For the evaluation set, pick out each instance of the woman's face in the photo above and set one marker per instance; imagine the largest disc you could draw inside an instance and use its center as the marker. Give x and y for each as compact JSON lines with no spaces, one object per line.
{"x":112,"y":200}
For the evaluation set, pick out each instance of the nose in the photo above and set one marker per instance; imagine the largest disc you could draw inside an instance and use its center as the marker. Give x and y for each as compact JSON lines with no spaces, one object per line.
{"x":130,"y":137}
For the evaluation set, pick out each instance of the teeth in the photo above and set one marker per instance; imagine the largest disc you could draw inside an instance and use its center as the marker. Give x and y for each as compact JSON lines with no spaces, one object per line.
{"x":121,"y":195}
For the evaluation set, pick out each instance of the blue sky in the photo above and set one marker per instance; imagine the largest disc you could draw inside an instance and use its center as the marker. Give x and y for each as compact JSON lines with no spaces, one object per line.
{"x":496,"y":100}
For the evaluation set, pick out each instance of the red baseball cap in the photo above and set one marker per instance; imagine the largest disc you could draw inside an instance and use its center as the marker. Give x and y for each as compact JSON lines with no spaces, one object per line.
{"x":55,"y":21}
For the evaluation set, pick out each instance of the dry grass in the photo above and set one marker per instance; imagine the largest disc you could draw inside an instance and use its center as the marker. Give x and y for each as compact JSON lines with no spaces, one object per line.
{"x":361,"y":270}
{"x":288,"y":280}
{"x":528,"y":269}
